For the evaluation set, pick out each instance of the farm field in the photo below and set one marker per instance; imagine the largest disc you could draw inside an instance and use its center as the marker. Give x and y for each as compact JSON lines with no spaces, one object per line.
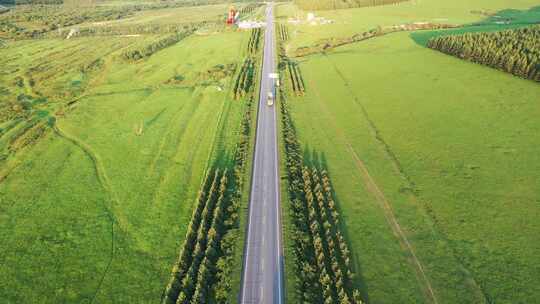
{"x":445,"y":148}
{"x":96,"y":208}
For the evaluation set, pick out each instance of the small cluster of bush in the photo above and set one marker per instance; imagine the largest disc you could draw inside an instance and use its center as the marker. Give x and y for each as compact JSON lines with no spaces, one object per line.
{"x":21,"y":130}
{"x":33,"y":129}
{"x":148,"y":50}
{"x":11,"y":30}
{"x":215,"y":74}
{"x":244,"y":83}
{"x":340,"y":4}
{"x":24,"y":120}
{"x":322,"y":257}
{"x":514,"y":51}
{"x":254,"y":40}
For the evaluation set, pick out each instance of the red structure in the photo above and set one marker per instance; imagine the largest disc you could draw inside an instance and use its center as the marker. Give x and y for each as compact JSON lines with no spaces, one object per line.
{"x":232,"y":16}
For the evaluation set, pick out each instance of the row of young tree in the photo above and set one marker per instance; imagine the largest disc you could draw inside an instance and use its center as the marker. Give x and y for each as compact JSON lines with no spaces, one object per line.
{"x":195,"y":269}
{"x":322,"y":256}
{"x":514,"y":51}
{"x":283,"y":32}
{"x":254,"y":40}
{"x":225,"y":264}
{"x":290,"y":67}
{"x":341,"y":4}
{"x":144,"y":51}
{"x":295,"y":74}
{"x":245,"y":81}
{"x":199,"y":277}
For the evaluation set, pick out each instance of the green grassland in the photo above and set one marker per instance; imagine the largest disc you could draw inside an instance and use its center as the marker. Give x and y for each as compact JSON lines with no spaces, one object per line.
{"x":452,"y":146}
{"x":95,"y":209}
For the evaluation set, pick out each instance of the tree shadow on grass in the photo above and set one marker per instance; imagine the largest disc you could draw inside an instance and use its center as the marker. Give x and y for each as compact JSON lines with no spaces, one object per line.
{"x":502,"y":20}
{"x":318,"y":160}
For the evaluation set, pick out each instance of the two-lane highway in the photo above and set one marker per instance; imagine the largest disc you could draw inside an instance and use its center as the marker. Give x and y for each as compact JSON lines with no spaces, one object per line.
{"x":262,"y":277}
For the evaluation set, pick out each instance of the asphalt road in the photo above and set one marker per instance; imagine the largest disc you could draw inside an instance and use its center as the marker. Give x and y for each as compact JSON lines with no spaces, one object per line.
{"x":262,"y":277}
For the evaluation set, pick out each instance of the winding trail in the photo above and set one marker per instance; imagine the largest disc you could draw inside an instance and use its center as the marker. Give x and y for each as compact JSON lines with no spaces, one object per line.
{"x":104,"y":182}
{"x":390,"y":217}
{"x":480,"y":294}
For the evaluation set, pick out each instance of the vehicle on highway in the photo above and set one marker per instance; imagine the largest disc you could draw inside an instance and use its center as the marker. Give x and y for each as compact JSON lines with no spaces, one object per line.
{"x":270,"y":100}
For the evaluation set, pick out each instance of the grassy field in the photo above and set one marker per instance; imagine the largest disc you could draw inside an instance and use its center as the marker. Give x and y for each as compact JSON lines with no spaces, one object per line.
{"x":446,"y":148}
{"x":95,"y":210}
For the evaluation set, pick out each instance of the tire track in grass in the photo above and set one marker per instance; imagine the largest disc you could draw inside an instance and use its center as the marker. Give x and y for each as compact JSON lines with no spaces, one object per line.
{"x":478,"y":290}
{"x":178,"y":141}
{"x":470,"y":280}
{"x":374,"y":189}
{"x":191,"y":108}
{"x":102,"y":177}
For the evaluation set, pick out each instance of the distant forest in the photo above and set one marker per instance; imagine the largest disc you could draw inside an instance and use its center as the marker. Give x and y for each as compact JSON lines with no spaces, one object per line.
{"x":14,"y":2}
{"x":340,"y":4}
{"x":513,"y":51}
{"x":58,"y":2}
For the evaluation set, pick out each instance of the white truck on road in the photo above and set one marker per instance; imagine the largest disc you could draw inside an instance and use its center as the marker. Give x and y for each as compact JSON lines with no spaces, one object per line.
{"x":270,"y":100}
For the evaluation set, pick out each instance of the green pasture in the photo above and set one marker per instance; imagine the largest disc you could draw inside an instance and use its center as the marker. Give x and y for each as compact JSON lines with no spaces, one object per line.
{"x":96,"y":210}
{"x":453,"y":147}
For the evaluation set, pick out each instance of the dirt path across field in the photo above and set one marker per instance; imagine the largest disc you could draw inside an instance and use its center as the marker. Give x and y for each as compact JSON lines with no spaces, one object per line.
{"x":480,"y":295}
{"x":379,"y":196}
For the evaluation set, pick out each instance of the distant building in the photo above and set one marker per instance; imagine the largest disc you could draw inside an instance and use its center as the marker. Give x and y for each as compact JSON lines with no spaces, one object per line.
{"x":233,"y":14}
{"x":250,"y":24}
